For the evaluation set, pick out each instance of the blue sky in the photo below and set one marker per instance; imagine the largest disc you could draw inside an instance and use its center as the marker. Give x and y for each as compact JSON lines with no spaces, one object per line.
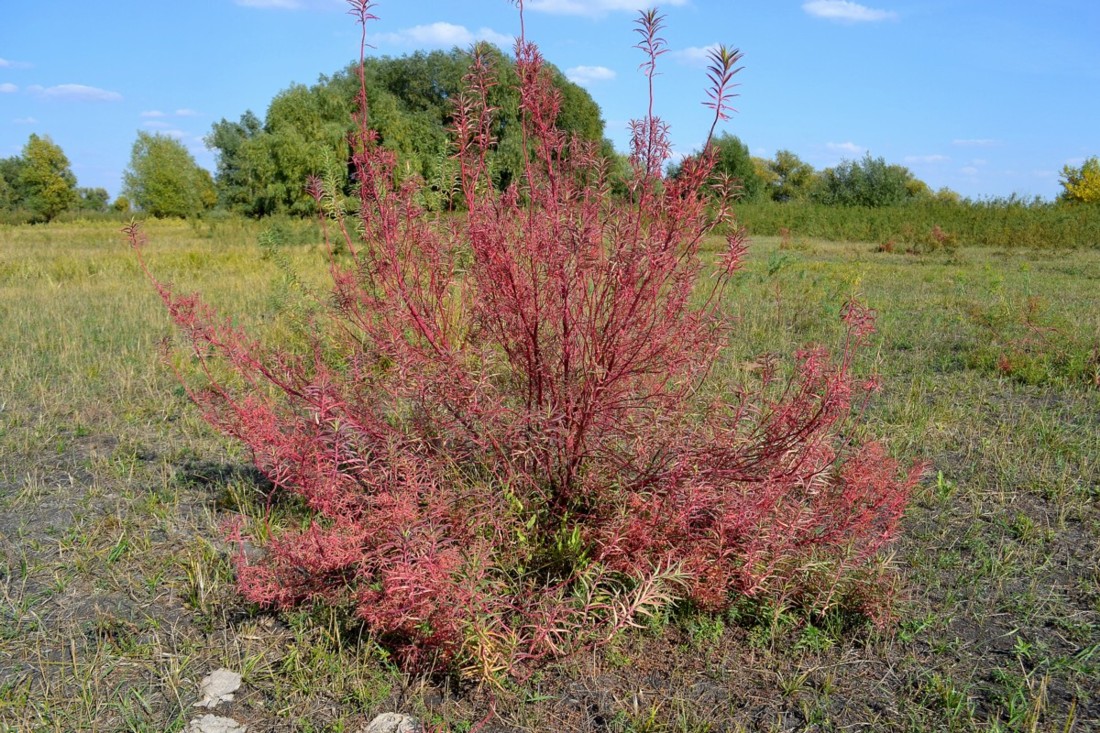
{"x":988,"y":97}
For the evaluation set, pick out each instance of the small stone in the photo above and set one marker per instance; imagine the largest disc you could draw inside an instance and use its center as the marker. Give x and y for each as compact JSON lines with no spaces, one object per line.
{"x":393,"y":723}
{"x":214,"y":724}
{"x":218,"y":687}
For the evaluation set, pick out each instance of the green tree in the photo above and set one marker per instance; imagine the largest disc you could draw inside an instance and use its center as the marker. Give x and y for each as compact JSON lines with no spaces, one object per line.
{"x":238,"y":180}
{"x":263,"y":168}
{"x":945,"y":195}
{"x":92,"y":199}
{"x":870,"y":182}
{"x":7,"y":194}
{"x":10,"y":174}
{"x":794,"y":178}
{"x":735,"y":160}
{"x":1082,"y":185}
{"x":47,"y":184}
{"x":164,"y":180}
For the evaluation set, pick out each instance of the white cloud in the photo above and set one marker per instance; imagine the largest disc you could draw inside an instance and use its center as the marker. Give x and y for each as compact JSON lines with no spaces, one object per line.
{"x":593,"y":7}
{"x":589,"y":74}
{"x":969,"y":171}
{"x":975,"y":143}
{"x":9,"y":64}
{"x":24,"y":120}
{"x":848,"y":148}
{"x":926,"y":158}
{"x":846,"y":12}
{"x":443,"y":35}
{"x":7,"y":88}
{"x":156,"y":114}
{"x":695,"y":55}
{"x":76,"y":93}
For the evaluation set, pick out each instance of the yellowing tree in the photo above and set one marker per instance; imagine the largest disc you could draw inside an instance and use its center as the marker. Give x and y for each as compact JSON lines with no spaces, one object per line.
{"x":47,"y":182}
{"x":1082,"y":185}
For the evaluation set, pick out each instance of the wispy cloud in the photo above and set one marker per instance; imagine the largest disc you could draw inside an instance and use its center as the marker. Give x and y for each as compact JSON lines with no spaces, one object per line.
{"x":9,"y":64}
{"x":24,"y":120}
{"x":847,"y":148}
{"x":694,"y":55}
{"x":593,"y":7}
{"x":935,"y":158}
{"x":589,"y":74}
{"x":7,"y":88}
{"x":76,"y":93}
{"x":969,"y":171}
{"x":975,"y":143}
{"x":156,"y":114}
{"x":443,"y":35}
{"x":844,"y":11}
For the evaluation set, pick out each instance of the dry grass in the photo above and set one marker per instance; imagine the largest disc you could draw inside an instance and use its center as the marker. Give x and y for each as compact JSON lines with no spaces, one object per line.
{"x":116,"y":596}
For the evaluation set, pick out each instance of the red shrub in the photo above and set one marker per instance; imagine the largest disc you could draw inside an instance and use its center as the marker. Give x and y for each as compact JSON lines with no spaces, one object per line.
{"x":498,"y":427}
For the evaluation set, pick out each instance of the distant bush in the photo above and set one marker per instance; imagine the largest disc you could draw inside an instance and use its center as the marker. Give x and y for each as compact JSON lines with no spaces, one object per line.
{"x":1006,"y":223}
{"x":499,"y":423}
{"x":871,"y":182}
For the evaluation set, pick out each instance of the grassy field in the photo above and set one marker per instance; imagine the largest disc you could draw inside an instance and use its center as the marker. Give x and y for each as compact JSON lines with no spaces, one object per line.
{"x":116,"y":596}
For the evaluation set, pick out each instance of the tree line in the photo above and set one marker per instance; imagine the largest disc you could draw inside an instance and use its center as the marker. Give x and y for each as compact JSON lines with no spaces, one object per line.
{"x":262,"y":165}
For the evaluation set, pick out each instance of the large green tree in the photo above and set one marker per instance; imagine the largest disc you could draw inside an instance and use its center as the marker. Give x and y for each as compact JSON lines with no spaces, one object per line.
{"x":46,"y":184}
{"x":240,"y":181}
{"x":794,"y":179}
{"x":164,"y":180}
{"x":263,"y":168}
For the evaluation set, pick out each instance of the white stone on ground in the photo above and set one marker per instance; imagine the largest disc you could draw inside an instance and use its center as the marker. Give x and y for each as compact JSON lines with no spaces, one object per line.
{"x":218,"y":687}
{"x":393,"y":723}
{"x":215,"y":724}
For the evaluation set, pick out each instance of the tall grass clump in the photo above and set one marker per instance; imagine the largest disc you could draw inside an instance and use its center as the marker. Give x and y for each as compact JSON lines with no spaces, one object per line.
{"x":500,"y":424}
